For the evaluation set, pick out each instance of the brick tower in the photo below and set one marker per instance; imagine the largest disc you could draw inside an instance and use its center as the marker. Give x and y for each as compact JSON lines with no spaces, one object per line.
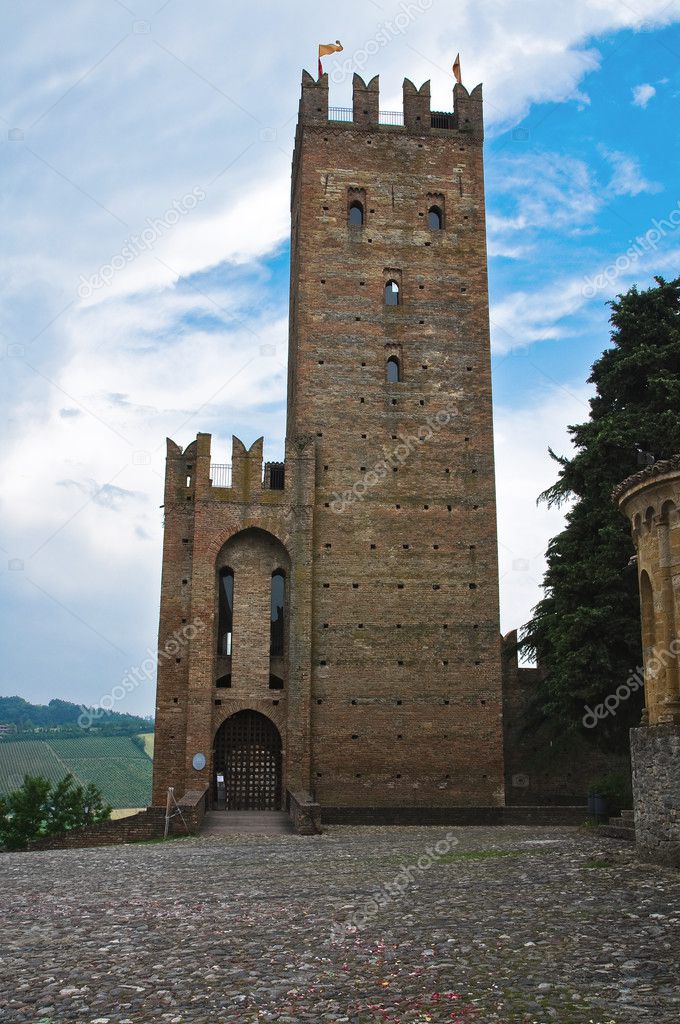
{"x":381,"y":522}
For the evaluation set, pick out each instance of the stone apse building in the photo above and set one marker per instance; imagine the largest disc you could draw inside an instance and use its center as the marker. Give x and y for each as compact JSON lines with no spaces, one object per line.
{"x":651,"y":501}
{"x":345,"y":602}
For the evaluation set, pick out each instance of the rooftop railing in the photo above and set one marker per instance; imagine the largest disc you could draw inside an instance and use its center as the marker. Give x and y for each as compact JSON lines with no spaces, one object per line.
{"x":220,"y":475}
{"x":391,"y":117}
{"x":395,"y":117}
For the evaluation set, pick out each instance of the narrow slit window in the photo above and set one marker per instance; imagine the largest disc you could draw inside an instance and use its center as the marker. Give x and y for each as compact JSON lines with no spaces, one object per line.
{"x":435,"y":218}
{"x":393,"y":370}
{"x":391,"y":293}
{"x":225,"y":613}
{"x":356,"y":214}
{"x":278,"y":600}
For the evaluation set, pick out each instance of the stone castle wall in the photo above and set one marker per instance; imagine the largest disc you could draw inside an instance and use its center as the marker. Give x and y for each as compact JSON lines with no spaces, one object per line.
{"x":406,"y":692}
{"x":651,"y":501}
{"x":387,"y":519}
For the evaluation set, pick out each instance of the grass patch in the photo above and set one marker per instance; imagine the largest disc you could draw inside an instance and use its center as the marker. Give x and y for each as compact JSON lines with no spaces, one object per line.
{"x":597,"y":863}
{"x":147,"y":739}
{"x":450,"y":858}
{"x":125,"y":812}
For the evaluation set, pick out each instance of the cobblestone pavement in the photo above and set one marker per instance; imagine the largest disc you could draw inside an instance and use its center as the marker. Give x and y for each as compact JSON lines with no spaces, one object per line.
{"x":494,"y":924}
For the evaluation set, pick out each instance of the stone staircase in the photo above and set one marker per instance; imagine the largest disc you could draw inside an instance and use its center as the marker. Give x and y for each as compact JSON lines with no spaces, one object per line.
{"x":262,"y":823}
{"x":622,"y":828}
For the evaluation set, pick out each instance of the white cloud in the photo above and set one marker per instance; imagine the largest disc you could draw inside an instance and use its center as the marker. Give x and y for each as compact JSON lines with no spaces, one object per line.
{"x":539,"y":191}
{"x":118,"y":125}
{"x":523,"y":470}
{"x":627,"y":178}
{"x":642,"y":94}
{"x":212,"y":234}
{"x":521,"y":318}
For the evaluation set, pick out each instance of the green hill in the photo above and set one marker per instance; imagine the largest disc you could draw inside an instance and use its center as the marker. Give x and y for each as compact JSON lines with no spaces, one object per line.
{"x":120,"y":769}
{"x":62,"y":714}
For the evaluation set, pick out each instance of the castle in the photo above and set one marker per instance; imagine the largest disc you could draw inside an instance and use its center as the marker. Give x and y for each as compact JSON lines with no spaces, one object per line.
{"x":343,"y":605}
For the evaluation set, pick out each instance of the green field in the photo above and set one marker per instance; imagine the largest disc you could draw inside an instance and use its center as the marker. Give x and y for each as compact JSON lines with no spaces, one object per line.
{"x":120,"y":769}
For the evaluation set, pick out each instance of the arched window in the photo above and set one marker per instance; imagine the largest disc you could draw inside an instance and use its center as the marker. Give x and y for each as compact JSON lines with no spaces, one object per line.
{"x":225,"y":618}
{"x":393,"y":370}
{"x":435,"y":218}
{"x":278,"y":604}
{"x":391,"y":293}
{"x":356,"y":214}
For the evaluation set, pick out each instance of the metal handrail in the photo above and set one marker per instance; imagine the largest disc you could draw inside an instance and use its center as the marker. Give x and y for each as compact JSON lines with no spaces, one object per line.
{"x":391,"y":117}
{"x":395,"y":117}
{"x":220,"y":474}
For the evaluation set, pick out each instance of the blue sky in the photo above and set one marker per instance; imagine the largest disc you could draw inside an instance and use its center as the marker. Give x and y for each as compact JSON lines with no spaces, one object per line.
{"x":113,"y":115}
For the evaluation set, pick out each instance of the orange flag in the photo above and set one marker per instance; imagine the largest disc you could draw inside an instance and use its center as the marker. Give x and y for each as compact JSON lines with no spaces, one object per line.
{"x":456,"y":70}
{"x":325,"y":49}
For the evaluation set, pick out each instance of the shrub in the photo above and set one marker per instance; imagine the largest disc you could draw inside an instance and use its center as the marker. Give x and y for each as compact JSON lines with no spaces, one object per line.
{"x":616,"y":790}
{"x":39,"y":809}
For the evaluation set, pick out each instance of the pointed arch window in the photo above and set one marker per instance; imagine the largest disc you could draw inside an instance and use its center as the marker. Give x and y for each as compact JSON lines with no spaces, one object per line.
{"x":392,"y":295}
{"x":225,"y":618}
{"x":356,"y":214}
{"x":435,"y":218}
{"x":393,"y":370}
{"x":278,"y":608}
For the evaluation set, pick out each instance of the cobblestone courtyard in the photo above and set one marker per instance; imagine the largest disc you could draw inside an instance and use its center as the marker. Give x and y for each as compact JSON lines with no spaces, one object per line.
{"x":507,"y":924}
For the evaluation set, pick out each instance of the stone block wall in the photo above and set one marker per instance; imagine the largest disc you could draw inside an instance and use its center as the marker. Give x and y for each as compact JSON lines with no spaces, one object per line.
{"x":655,"y":755}
{"x":651,"y":502}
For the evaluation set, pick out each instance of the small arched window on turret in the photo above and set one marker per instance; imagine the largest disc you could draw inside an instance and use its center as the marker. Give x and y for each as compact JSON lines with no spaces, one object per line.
{"x":435,"y":218}
{"x":393,"y":370}
{"x":356,"y":214}
{"x":391,"y":293}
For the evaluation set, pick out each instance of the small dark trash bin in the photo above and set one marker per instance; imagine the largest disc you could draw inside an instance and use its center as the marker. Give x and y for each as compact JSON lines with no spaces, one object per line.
{"x":597,"y":806}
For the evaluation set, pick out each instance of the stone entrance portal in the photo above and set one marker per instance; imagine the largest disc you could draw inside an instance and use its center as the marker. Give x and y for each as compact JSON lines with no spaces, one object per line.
{"x":247,"y":763}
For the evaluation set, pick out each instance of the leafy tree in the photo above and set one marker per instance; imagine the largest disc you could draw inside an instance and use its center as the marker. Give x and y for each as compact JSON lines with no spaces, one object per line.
{"x":585,"y":632}
{"x":22,"y":813}
{"x":38,"y":809}
{"x":72,"y":806}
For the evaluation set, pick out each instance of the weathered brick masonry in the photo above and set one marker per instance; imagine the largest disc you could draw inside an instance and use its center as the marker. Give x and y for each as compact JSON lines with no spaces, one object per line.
{"x":385,"y":525}
{"x":651,"y":501}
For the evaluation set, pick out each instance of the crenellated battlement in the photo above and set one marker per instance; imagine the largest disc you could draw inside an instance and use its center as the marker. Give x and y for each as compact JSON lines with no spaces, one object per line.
{"x":192,"y":476}
{"x":415,"y":116}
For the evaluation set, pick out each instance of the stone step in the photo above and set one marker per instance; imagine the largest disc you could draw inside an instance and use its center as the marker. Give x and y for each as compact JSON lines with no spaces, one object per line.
{"x":620,"y":823}
{"x":626,"y":834}
{"x":620,"y":828}
{"x":266,"y":823}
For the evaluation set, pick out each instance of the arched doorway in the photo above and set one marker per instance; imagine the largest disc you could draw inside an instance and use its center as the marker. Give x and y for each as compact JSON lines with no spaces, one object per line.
{"x":248,"y":756}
